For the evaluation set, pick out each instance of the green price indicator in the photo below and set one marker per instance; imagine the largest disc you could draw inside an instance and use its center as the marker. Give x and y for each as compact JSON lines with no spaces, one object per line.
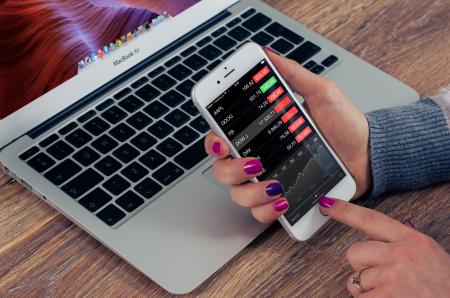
{"x":268,"y":84}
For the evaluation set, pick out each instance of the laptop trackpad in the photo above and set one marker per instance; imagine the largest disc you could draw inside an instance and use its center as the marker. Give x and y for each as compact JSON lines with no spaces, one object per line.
{"x":208,"y":174}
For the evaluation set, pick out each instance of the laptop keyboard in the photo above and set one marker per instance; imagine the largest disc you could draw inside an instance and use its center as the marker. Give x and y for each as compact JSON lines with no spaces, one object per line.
{"x":117,"y":157}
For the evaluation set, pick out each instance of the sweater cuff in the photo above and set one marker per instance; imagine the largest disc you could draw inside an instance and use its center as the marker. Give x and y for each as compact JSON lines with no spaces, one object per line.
{"x":409,"y":147}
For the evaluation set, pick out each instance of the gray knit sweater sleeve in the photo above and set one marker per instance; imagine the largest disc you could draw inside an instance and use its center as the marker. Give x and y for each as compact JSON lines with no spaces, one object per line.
{"x":409,"y":147}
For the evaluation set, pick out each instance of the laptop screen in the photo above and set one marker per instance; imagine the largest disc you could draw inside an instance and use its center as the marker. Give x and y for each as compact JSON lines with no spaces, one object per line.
{"x":46,"y":42}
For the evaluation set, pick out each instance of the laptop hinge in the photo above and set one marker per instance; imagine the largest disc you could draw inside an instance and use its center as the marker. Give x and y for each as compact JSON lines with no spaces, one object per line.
{"x":48,"y":124}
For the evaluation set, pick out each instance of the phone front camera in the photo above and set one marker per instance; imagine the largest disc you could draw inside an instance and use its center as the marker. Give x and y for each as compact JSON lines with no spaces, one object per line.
{"x":218,"y":82}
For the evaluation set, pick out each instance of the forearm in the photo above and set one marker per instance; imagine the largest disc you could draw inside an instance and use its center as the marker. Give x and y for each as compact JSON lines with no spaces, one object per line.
{"x":409,"y":147}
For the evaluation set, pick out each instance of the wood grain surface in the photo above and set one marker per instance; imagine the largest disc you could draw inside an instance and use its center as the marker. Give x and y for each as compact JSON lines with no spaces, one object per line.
{"x":44,"y":254}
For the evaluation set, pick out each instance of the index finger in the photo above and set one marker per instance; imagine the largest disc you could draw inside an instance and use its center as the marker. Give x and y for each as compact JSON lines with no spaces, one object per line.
{"x":375,"y":224}
{"x":216,"y":146}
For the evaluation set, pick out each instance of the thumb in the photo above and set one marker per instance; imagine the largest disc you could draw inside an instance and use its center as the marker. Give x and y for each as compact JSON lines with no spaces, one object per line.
{"x":299,"y":78}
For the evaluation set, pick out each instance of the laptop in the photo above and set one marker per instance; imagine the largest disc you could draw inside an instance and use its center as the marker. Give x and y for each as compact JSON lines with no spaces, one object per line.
{"x":97,"y":120}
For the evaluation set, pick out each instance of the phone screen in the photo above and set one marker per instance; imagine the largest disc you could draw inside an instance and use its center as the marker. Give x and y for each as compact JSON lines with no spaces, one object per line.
{"x":262,"y":120}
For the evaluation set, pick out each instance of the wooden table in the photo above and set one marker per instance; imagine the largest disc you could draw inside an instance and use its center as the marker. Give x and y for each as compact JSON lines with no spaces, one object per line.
{"x":43,"y":253}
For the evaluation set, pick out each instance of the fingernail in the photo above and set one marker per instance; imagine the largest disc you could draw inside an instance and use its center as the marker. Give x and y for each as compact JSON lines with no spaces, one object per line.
{"x":326,"y":202}
{"x":216,"y":147}
{"x":280,"y":205}
{"x":274,"y":189}
{"x":253,"y":166}
{"x":409,"y":223}
{"x":270,"y":50}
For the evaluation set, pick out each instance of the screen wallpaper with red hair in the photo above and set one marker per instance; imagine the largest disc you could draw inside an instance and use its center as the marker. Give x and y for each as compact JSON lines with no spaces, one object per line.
{"x":42,"y":41}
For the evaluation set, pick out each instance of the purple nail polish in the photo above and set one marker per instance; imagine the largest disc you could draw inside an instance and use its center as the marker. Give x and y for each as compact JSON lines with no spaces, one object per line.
{"x":325,"y":202}
{"x":280,"y":205}
{"x":253,"y":166}
{"x":216,"y":148}
{"x":274,"y":189}
{"x":270,"y":50}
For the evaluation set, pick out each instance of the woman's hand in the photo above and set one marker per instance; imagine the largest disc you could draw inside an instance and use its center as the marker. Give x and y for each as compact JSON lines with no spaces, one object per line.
{"x":398,"y":262}
{"x":344,"y":127}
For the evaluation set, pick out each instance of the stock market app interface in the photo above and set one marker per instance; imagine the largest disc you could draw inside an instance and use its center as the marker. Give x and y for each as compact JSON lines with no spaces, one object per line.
{"x":262,"y":120}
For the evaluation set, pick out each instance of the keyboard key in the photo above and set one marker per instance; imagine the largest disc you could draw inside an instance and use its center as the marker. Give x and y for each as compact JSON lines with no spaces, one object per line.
{"x":169,"y":147}
{"x":168,"y":173}
{"x":195,"y":62}
{"x":180,"y":72}
{"x":82,"y":183}
{"x":318,"y":69}
{"x":330,"y":61}
{"x":148,"y":188}
{"x":310,"y":64}
{"x":152,"y":159}
{"x":104,"y":105}
{"x":256,"y":22}
{"x":262,"y":38}
{"x":304,"y":52}
{"x":41,"y":162}
{"x":282,"y":46}
{"x":122,"y":132}
{"x":156,"y":72}
{"x":63,"y":172}
{"x":225,"y":43}
{"x":172,"y":61}
{"x":134,"y":172}
{"x":96,"y":126}
{"x":239,"y":33}
{"x":213,"y":65}
{"x":126,"y":153}
{"x":204,"y":41}
{"x":122,"y":93}
{"x":131,"y":104}
{"x":172,"y":98}
{"x":147,"y":93}
{"x":248,"y":13}
{"x":111,"y":215}
{"x":60,"y":150}
{"x":86,"y":116}
{"x":199,"y":75}
{"x":95,"y":200}
{"x":190,"y":108}
{"x":219,"y":31}
{"x":156,"y":109}
{"x":177,"y":118}
{"x":138,"y":83}
{"x":104,"y":144}
{"x":139,"y":120}
{"x":129,"y":201}
{"x":234,"y":22}
{"x":108,"y":165}
{"x":114,"y":115}
{"x":46,"y":142}
{"x":192,"y":155}
{"x":86,"y":156}
{"x":188,"y":51}
{"x":210,"y":52}
{"x":160,"y":129}
{"x":278,"y":30}
{"x":143,"y":141}
{"x":227,"y":55}
{"x":116,"y":185}
{"x":186,"y":135}
{"x":68,"y":128}
{"x":164,"y":82}
{"x":200,"y":124}
{"x":186,"y":87}
{"x":29,"y":153}
{"x":78,"y":138}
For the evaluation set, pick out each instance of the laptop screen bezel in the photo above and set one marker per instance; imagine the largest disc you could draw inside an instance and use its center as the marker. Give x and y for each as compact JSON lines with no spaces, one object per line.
{"x":74,"y":89}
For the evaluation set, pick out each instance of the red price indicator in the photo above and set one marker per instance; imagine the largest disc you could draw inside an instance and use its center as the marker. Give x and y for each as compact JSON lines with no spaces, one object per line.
{"x":275,"y":94}
{"x":282,"y":104}
{"x":303,"y":134}
{"x":289,"y":114}
{"x":261,"y":74}
{"x":296,"y":125}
